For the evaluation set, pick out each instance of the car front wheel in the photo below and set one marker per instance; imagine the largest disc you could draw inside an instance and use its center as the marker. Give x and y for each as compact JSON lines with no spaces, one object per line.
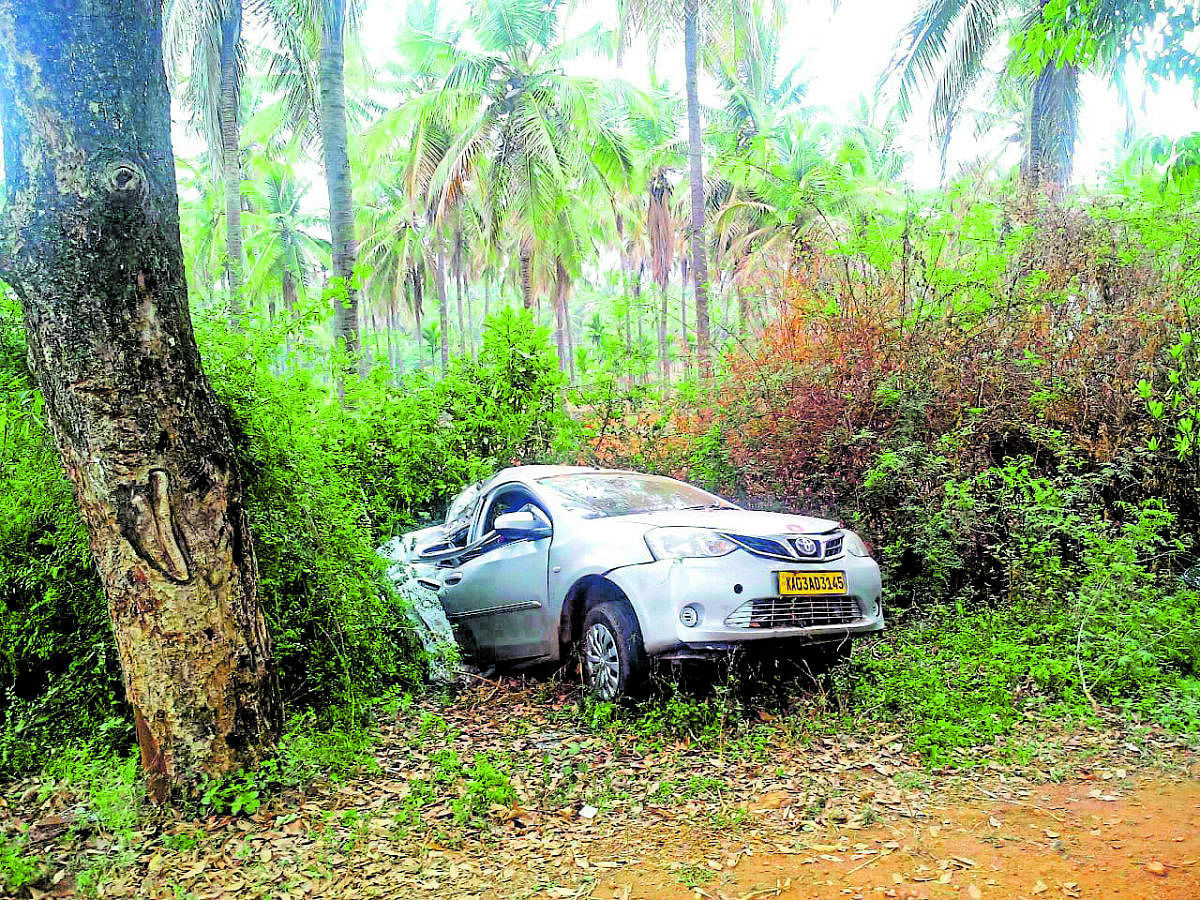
{"x":611,"y":654}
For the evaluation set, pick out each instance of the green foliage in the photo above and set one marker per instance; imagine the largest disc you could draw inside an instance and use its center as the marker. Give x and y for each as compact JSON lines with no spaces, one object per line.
{"x":18,"y":866}
{"x":110,"y":787}
{"x":418,"y":443}
{"x":305,"y":753}
{"x":1023,"y":592}
{"x":59,"y":674}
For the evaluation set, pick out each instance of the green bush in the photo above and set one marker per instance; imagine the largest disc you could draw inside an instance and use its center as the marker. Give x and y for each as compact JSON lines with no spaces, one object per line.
{"x":1024,"y":590}
{"x":59,"y":674}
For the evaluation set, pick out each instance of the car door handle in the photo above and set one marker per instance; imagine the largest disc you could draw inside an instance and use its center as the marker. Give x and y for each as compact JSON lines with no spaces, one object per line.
{"x":452,"y":578}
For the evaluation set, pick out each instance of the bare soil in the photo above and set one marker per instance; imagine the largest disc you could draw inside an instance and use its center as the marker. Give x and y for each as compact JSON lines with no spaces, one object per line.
{"x":1060,"y":841}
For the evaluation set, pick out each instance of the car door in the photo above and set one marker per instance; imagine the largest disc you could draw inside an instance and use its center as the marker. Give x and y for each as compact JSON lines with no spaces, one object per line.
{"x":497,"y":589}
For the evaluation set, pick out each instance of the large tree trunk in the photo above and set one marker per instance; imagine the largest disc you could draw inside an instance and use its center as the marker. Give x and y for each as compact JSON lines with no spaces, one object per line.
{"x":92,"y":248}
{"x":231,"y":162}
{"x":337,"y":169}
{"x":691,"y":50}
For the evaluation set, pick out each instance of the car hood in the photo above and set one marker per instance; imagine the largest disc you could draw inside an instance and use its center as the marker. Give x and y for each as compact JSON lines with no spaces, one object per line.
{"x":737,"y":521}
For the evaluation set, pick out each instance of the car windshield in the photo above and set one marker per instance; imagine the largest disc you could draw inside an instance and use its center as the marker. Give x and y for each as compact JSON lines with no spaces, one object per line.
{"x":595,"y":495}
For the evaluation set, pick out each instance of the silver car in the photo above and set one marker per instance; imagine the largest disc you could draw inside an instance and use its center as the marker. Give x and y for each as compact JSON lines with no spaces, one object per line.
{"x":540,"y":561}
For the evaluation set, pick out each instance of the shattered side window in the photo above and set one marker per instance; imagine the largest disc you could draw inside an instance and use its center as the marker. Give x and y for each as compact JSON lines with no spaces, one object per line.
{"x":461,"y":513}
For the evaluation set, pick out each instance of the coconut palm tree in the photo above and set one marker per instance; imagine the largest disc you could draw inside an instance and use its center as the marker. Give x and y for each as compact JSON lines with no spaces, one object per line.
{"x":310,"y":71}
{"x":722,"y":24}
{"x":203,"y":38}
{"x":950,"y":41}
{"x":201,"y":216}
{"x":541,"y":145}
{"x":286,"y":249}
{"x":394,"y":252}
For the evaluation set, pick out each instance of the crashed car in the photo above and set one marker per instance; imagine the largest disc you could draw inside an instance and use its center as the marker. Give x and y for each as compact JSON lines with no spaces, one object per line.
{"x":539,"y":562}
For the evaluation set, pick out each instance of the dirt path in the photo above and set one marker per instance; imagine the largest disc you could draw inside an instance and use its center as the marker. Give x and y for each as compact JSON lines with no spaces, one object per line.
{"x":1060,"y":841}
{"x":504,"y":793}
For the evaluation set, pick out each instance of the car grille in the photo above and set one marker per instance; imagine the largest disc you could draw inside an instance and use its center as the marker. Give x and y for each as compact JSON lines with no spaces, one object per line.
{"x":808,"y":549}
{"x":817,"y":548}
{"x":795,"y":612}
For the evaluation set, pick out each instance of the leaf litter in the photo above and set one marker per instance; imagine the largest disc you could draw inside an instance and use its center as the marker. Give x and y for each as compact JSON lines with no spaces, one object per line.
{"x":503,"y":791}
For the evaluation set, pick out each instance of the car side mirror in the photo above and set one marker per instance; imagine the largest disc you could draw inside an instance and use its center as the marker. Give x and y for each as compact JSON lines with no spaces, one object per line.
{"x":528,"y":524}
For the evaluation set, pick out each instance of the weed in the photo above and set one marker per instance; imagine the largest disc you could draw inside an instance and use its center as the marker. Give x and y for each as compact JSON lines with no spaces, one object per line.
{"x":17,"y":867}
{"x":694,"y":876}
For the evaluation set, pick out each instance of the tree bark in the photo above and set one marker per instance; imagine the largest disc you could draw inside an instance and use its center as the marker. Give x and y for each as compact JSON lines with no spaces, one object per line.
{"x":664,"y":358}
{"x":443,"y":311}
{"x":1053,"y":125}
{"x":562,"y":291}
{"x":92,"y":249}
{"x":457,"y":266}
{"x":331,"y":71}
{"x":228,"y":114}
{"x":691,"y":51}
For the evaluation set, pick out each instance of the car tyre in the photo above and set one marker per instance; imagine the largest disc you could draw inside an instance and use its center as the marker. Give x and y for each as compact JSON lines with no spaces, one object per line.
{"x":612,"y":657}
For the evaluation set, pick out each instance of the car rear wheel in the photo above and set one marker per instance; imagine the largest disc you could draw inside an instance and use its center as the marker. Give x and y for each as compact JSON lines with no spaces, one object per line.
{"x":611,"y":653}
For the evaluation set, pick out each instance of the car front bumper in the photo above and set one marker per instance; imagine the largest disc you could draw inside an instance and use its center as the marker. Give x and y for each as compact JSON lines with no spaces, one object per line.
{"x":720,"y":589}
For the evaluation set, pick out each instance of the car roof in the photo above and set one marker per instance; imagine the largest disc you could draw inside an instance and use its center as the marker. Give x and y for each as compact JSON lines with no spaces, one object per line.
{"x":530,"y":474}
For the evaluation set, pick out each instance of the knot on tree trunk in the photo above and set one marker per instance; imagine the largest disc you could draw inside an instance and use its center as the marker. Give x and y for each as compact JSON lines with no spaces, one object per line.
{"x":126,"y":182}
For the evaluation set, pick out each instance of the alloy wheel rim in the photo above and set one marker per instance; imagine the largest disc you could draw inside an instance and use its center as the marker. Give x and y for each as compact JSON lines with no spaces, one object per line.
{"x":603,"y":661}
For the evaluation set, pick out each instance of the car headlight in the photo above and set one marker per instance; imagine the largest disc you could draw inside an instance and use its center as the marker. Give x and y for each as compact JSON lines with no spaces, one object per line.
{"x":687,"y":543}
{"x":855,"y":545}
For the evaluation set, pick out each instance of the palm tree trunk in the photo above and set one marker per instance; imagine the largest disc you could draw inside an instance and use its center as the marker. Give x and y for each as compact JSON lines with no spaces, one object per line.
{"x":637,"y":306}
{"x":1053,"y":126}
{"x":289,"y":303}
{"x":231,"y":163}
{"x":664,"y":362}
{"x":691,"y":51}
{"x":418,"y":294}
{"x":443,"y":308}
{"x":562,"y":286}
{"x":337,"y":169}
{"x":685,"y":349}
{"x":466,"y":287}
{"x":457,"y":266}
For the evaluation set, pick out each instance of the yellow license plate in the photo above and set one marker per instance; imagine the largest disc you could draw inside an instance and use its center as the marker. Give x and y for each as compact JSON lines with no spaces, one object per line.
{"x":792,"y":584}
